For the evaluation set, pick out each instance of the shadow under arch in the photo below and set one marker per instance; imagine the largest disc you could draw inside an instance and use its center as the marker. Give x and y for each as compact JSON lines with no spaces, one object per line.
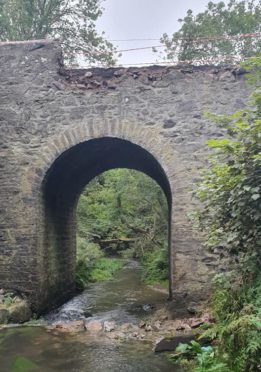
{"x":62,"y":185}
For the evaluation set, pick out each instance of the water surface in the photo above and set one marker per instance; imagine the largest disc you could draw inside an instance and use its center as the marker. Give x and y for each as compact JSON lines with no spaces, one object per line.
{"x":123,"y":299}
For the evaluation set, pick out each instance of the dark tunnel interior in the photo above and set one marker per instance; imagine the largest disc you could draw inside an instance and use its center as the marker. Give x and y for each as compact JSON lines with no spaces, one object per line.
{"x":63,"y":184}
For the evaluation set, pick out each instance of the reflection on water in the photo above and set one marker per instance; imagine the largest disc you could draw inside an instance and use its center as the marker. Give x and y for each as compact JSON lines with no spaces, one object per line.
{"x":35,"y":349}
{"x":121,"y":299}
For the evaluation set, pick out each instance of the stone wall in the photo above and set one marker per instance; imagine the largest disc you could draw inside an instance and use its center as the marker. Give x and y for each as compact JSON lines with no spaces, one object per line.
{"x":60,"y":128}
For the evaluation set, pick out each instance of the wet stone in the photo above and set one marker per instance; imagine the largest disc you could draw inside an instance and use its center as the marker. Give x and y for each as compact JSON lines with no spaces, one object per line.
{"x":94,"y":326}
{"x":109,"y":326}
{"x":170,"y":344}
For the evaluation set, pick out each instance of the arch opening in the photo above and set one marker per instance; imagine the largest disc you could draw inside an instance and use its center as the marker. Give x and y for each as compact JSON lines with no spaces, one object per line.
{"x":61,"y":189}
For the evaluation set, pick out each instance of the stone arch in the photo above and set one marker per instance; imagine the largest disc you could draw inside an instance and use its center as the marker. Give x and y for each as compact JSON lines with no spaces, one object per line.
{"x":68,"y":163}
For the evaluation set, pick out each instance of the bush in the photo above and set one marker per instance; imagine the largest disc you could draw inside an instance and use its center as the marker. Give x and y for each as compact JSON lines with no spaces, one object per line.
{"x":105,"y":268}
{"x":155,"y":268}
{"x":230,"y":217}
{"x":197,"y":357}
{"x":87,"y":256}
{"x":91,"y":265}
{"x":129,"y":206}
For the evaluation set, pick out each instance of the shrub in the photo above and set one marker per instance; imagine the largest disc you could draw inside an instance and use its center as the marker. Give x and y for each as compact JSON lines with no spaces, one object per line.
{"x":231,"y":219}
{"x":155,"y":266}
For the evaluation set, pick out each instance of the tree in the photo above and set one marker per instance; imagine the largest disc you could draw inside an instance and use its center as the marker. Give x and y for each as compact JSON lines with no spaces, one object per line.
{"x":198,"y":39}
{"x":124,"y":203}
{"x":70,"y":21}
{"x":126,"y":212}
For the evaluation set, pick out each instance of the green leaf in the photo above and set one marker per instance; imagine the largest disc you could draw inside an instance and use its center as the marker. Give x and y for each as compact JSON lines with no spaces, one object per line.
{"x":181,"y":348}
{"x":73,"y":22}
{"x":23,"y":364}
{"x":214,"y":143}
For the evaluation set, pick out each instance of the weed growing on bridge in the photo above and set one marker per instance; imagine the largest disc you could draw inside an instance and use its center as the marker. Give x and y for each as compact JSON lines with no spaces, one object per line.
{"x":231,"y":215}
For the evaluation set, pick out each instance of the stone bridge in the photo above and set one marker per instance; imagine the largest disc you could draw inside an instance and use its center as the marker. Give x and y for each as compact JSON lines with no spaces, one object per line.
{"x":60,"y":128}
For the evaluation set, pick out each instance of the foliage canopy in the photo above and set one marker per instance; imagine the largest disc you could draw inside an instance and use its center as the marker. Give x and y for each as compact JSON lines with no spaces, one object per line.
{"x":124,"y":212}
{"x":198,"y":37}
{"x":70,"y":21}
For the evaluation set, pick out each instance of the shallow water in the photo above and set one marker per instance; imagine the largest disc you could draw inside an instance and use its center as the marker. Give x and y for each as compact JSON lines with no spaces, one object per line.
{"x":35,"y":349}
{"x":124,"y":299}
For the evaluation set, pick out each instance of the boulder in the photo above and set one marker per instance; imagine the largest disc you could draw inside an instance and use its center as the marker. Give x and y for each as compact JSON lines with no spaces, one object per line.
{"x":192,"y":310}
{"x":170,"y":344}
{"x":18,"y":312}
{"x":142,"y":324}
{"x":87,"y":314}
{"x":4,"y":315}
{"x":109,"y":326}
{"x":196,"y":322}
{"x":148,"y":328}
{"x":182,"y":326}
{"x":126,"y":327}
{"x":157,"y":326}
{"x":94,"y":326}
{"x":73,"y":326}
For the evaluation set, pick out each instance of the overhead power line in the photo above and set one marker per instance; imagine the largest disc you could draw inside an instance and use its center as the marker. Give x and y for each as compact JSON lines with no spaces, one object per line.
{"x":123,"y":40}
{"x":141,"y":48}
{"x":210,"y":60}
{"x":205,"y":61}
{"x":198,"y":39}
{"x":175,"y":63}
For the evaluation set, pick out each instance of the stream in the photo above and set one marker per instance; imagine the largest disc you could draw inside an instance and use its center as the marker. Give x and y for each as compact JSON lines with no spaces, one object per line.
{"x":125,"y":299}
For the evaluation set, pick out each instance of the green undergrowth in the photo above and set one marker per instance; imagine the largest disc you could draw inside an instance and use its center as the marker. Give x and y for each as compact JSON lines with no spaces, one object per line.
{"x":92,"y":265}
{"x":7,"y":299}
{"x":197,"y":358}
{"x":236,"y":333}
{"x":155,"y":268}
{"x":230,"y":217}
{"x":105,"y":268}
{"x":122,"y":213}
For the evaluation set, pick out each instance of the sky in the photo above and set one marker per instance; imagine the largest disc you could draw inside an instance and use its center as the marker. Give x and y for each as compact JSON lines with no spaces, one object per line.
{"x":143,"y":19}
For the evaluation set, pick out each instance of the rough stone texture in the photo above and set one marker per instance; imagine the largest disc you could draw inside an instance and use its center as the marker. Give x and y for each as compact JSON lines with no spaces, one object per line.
{"x":4,"y":315}
{"x":60,"y":128}
{"x":18,"y":312}
{"x":171,"y":343}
